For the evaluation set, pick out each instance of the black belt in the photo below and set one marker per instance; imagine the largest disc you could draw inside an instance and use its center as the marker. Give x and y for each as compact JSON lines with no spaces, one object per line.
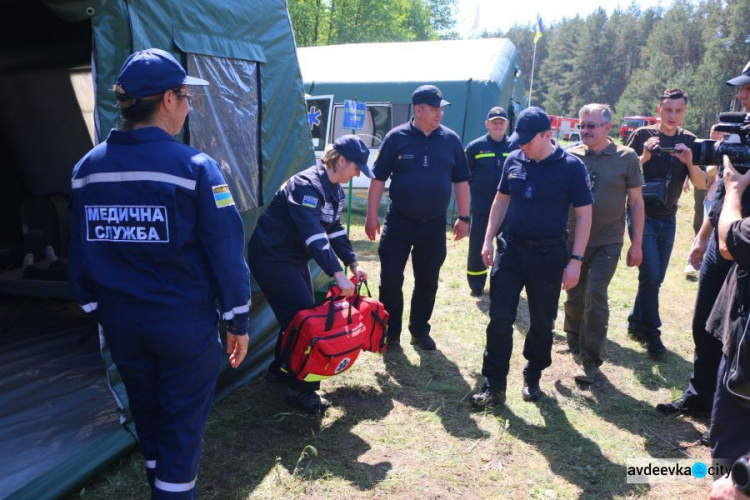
{"x":542,"y":242}
{"x":419,"y":220}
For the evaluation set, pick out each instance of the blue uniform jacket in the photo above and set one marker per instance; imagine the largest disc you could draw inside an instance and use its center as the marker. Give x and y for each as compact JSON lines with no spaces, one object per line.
{"x":541,"y":193}
{"x":422,"y":169}
{"x":486,"y":157}
{"x":303,"y":221}
{"x":155,"y":234}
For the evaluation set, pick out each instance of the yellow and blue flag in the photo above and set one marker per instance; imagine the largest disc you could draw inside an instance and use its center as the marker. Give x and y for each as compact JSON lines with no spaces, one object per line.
{"x":539,"y":29}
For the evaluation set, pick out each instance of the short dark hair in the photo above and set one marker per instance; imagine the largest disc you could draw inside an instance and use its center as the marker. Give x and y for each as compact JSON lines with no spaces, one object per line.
{"x":674,"y":94}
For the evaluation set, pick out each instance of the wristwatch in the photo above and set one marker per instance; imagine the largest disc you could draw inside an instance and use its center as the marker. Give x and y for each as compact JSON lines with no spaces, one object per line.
{"x":741,"y":475}
{"x":576,"y":257}
{"x":464,"y":218}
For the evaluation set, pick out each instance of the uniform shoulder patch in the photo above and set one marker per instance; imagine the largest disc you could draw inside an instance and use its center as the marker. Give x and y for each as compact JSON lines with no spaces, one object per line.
{"x":309,"y":201}
{"x":222,"y":196}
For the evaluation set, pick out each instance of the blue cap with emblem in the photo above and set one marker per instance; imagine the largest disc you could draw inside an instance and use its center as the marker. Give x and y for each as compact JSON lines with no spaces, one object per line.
{"x":497,"y":113}
{"x":151,"y":71}
{"x":530,"y":122}
{"x":430,"y":95}
{"x":354,"y":149}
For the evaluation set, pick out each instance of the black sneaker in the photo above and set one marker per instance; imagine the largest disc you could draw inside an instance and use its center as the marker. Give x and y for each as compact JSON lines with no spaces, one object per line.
{"x":424,"y":342}
{"x":311,"y":402}
{"x":488,"y":398}
{"x":277,"y":377}
{"x":531,"y":391}
{"x":476,"y":292}
{"x":655,"y":347}
{"x":705,"y":438}
{"x":393,"y":345}
{"x":680,"y":407}
{"x":636,"y":335}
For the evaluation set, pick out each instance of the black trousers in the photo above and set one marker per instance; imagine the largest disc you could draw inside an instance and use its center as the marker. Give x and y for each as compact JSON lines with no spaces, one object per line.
{"x":539,"y":270}
{"x":476,"y":271}
{"x":288,"y":289}
{"x":730,"y":422}
{"x":425,"y":242}
{"x":707,"y":355}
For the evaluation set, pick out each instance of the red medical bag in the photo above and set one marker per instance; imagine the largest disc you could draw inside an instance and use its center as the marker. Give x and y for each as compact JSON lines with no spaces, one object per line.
{"x":372,"y":314}
{"x":323,"y":341}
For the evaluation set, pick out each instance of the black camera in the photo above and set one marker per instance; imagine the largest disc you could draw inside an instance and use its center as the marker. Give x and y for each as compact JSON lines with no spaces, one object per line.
{"x":708,"y":152}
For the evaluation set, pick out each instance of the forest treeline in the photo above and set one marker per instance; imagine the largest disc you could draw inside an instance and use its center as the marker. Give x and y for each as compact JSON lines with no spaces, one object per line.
{"x":625,"y":59}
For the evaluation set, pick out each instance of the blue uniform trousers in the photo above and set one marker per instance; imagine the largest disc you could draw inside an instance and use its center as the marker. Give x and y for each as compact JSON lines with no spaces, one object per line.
{"x":476,"y":271}
{"x":658,"y":241}
{"x":425,"y":241}
{"x":288,"y":289}
{"x":730,"y":422}
{"x":170,"y":373}
{"x":537,"y":267}
{"x":707,"y":355}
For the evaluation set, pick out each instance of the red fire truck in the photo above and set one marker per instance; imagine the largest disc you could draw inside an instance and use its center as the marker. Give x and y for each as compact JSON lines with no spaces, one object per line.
{"x":567,"y":129}
{"x":630,"y":123}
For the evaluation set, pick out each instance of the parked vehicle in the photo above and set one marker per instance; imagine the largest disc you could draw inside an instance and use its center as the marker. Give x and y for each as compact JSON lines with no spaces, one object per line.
{"x":566,"y":129}
{"x":630,"y":123}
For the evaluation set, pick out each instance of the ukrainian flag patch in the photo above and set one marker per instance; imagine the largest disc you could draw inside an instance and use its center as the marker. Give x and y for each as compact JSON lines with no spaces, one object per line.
{"x":309,"y":201}
{"x":222,"y":196}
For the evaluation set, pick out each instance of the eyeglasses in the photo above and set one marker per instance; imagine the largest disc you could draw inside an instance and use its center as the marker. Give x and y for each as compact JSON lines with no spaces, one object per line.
{"x":591,"y":126}
{"x":188,"y":96}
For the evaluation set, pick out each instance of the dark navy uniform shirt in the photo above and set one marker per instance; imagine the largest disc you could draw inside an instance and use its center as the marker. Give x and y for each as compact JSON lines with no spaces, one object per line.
{"x":422,"y":169}
{"x":155,"y":234}
{"x":541,"y":193}
{"x":486,"y":157}
{"x":303,"y":221}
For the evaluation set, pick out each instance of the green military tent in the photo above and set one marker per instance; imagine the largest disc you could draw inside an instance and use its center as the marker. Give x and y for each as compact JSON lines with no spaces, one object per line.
{"x":60,"y":419}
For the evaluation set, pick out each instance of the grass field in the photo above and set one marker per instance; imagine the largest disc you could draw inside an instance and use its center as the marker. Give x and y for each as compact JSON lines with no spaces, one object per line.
{"x":401,"y":426}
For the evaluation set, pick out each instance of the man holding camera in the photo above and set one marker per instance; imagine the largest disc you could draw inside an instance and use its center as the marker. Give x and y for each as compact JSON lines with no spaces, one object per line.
{"x":664,"y":151}
{"x":704,"y":254}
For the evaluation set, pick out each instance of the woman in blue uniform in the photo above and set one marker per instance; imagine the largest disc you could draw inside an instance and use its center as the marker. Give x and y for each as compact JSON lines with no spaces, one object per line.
{"x":303,"y":222}
{"x":156,"y":241}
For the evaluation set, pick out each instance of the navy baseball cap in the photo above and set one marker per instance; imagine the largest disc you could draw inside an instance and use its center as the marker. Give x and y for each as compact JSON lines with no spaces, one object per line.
{"x":354,"y":149}
{"x":430,"y":95}
{"x":151,"y":71}
{"x":743,"y":79}
{"x":495,"y":113}
{"x":530,"y":122}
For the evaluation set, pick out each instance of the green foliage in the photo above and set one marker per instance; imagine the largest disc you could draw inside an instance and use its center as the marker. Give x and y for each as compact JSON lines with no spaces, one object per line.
{"x":330,"y":22}
{"x":628,"y":58}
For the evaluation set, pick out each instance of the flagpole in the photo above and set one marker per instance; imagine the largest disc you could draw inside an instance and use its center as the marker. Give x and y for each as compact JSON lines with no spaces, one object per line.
{"x":533,"y":63}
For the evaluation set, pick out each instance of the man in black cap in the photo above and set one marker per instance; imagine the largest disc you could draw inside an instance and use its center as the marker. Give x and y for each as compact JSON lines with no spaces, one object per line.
{"x":537,"y":187}
{"x":486,"y":156}
{"x":423,"y":160}
{"x":699,"y":394}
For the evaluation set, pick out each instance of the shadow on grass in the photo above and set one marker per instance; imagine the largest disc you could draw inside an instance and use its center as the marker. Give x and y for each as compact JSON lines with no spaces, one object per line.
{"x":569,"y":453}
{"x":256,"y":437}
{"x":435,"y":385}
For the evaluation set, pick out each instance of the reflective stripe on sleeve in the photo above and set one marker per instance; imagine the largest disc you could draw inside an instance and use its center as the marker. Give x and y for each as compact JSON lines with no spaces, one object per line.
{"x":90,"y":307}
{"x":151,"y":464}
{"x":315,"y":237}
{"x":174,"y":487}
{"x":337,"y":234}
{"x":237,"y":310}
{"x":132,"y":177}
